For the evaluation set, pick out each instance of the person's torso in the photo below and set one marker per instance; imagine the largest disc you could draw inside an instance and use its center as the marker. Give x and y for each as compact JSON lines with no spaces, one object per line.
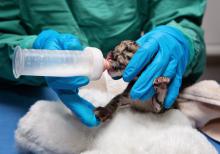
{"x":104,"y":22}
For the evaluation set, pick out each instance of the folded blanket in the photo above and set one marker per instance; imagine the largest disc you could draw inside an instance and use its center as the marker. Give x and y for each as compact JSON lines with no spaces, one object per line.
{"x":201,"y":103}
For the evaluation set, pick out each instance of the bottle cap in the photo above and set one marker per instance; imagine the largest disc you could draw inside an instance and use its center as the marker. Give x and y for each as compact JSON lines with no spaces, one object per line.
{"x":98,"y":62}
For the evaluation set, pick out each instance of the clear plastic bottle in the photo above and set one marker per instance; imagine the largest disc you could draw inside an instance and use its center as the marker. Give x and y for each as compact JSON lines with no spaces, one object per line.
{"x":59,"y":63}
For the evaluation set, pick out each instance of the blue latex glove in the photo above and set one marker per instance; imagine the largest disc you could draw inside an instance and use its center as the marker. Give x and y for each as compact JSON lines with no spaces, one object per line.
{"x":164,"y":52}
{"x":67,"y":88}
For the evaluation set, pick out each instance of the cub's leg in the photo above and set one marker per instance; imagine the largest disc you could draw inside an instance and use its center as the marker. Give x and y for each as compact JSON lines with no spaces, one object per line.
{"x":105,"y":113}
{"x":160,"y":86}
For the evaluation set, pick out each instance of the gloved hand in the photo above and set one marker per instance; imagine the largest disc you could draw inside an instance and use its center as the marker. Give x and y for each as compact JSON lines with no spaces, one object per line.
{"x":164,"y":52}
{"x":67,"y":87}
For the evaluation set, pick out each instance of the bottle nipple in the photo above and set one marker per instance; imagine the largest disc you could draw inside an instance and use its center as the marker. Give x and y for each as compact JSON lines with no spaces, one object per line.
{"x":107,"y":65}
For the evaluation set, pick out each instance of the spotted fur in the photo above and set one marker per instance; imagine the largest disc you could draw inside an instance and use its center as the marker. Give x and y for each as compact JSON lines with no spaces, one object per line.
{"x":120,"y":56}
{"x":118,"y":59}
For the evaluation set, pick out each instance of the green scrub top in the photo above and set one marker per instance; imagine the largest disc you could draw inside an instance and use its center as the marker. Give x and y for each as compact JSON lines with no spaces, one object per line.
{"x":99,"y":23}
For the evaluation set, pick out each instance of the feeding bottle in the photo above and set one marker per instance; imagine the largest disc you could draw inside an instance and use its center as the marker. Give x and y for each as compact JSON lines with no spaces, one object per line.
{"x":59,"y":63}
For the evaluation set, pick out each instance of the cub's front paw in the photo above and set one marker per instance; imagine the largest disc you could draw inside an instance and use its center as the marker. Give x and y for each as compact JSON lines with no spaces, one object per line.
{"x":103,"y":114}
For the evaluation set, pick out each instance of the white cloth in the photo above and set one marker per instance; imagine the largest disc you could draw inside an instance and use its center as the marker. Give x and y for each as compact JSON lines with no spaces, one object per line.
{"x":50,"y":128}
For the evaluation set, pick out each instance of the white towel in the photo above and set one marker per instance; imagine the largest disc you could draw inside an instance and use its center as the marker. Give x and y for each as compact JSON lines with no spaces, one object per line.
{"x":50,"y":128}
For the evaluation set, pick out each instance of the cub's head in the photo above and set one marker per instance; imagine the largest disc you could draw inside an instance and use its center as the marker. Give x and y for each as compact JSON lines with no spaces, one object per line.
{"x":119,"y":57}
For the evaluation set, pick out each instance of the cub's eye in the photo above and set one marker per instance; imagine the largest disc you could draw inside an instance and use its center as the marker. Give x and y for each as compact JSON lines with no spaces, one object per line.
{"x":122,"y":67}
{"x":114,"y":66}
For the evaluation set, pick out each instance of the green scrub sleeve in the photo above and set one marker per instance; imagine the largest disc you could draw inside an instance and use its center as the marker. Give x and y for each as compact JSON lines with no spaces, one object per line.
{"x":187,"y":17}
{"x":15,"y":30}
{"x":12,"y":33}
{"x":7,"y":44}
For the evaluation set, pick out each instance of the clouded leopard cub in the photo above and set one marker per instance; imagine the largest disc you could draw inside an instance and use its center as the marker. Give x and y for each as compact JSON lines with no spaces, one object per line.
{"x":118,"y":59}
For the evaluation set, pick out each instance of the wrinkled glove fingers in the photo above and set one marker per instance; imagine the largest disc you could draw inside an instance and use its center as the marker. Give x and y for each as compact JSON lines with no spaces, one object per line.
{"x":140,"y":59}
{"x":175,"y":85}
{"x":170,"y":71}
{"x":69,"y":42}
{"x":45,"y":39}
{"x":143,"y":87}
{"x":173,"y":90}
{"x":83,"y":109}
{"x":68,"y":83}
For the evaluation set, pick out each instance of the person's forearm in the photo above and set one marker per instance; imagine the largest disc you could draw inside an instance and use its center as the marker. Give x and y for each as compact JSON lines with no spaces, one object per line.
{"x":195,"y":36}
{"x":7,"y":44}
{"x":187,"y":17}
